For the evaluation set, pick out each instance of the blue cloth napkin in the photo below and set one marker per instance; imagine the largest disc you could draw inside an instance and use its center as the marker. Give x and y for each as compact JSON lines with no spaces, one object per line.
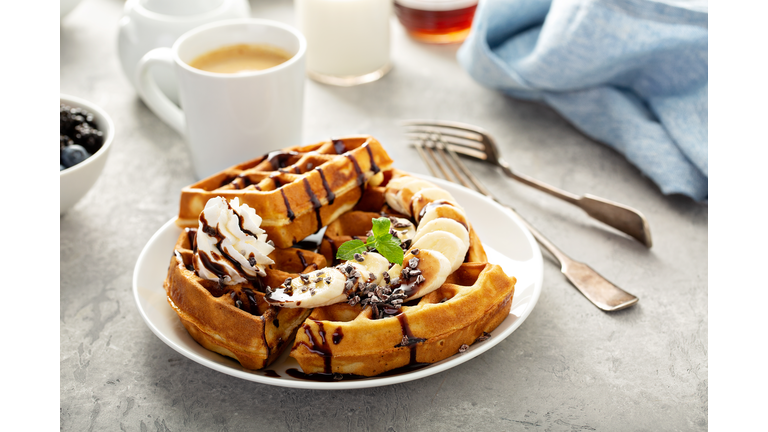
{"x":629,"y":73}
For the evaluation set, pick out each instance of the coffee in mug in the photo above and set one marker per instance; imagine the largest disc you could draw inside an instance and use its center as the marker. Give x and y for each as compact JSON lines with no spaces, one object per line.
{"x":231,"y":115}
{"x":241,"y":58}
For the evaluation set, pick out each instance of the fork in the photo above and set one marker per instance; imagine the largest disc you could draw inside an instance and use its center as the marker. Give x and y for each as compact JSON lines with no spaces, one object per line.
{"x":475,"y":142}
{"x":598,"y":290}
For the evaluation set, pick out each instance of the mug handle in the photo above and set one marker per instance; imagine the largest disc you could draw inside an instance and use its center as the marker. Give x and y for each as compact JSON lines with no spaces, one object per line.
{"x":151,"y":94}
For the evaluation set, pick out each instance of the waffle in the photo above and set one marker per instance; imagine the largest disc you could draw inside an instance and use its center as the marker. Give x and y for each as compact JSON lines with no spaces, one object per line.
{"x":296,"y":191}
{"x":352,"y":339}
{"x":234,"y":320}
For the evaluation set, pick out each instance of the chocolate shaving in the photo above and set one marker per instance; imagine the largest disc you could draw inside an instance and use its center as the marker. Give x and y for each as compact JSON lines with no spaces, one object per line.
{"x":408,"y":341}
{"x":463,"y":348}
{"x":484,"y":337}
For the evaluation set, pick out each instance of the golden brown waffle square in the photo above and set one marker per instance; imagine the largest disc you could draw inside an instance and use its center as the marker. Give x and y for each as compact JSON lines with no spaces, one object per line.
{"x":346,"y":339}
{"x":296,"y":191}
{"x":234,"y":320}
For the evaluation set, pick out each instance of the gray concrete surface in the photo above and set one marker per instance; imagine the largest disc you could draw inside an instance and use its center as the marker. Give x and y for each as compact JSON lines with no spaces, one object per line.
{"x":568,"y":367}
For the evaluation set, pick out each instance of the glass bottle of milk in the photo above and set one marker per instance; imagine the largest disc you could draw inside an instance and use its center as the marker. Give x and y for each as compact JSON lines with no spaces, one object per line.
{"x":347,"y":40}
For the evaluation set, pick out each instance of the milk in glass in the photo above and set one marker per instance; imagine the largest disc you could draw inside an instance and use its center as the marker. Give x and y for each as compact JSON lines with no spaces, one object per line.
{"x":346,"y":39}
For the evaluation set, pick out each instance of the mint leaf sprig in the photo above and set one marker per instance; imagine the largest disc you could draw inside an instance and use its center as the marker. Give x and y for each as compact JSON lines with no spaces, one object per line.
{"x":382,"y":241}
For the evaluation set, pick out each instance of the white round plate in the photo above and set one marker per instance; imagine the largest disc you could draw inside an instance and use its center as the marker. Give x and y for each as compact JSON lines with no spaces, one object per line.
{"x":504,"y":238}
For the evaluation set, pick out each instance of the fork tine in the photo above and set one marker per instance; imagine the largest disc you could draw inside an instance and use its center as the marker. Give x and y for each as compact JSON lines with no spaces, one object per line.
{"x":446,"y":124}
{"x":447,"y":154}
{"x":458,"y":138}
{"x":461,"y":138}
{"x":441,"y":149}
{"x":437,"y":163}
{"x":475,"y":181}
{"x":420,"y":148}
{"x":477,"y":154}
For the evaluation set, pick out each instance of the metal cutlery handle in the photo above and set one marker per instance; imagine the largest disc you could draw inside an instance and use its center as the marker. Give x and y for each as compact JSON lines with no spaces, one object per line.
{"x":597,"y":289}
{"x":477,"y":143}
{"x":619,"y":216}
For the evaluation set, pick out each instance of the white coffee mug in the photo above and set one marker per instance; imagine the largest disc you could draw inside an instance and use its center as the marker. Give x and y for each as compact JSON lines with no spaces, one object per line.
{"x":230,"y":118}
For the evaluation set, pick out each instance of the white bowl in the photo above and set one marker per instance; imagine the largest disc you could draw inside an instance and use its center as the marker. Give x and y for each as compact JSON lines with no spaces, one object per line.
{"x":76,"y":181}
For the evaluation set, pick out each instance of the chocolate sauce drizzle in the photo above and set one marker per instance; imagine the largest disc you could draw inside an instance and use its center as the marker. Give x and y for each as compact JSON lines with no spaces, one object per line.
{"x":409,"y":339}
{"x":279,"y":159}
{"x":275,"y":179}
{"x":219,"y":270}
{"x":315,"y":202}
{"x":290,"y":213}
{"x":374,"y":167}
{"x":337,"y":336}
{"x":333,"y":246}
{"x":241,"y":181}
{"x":328,"y":191}
{"x":336,"y":377}
{"x":303,"y":260}
{"x":358,"y":171}
{"x":322,"y":349}
{"x":240,"y":220}
{"x":192,"y":237}
{"x":339,"y":146}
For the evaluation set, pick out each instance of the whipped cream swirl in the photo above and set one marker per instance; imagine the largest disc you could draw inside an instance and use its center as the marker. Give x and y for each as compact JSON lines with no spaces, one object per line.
{"x":231,"y":246}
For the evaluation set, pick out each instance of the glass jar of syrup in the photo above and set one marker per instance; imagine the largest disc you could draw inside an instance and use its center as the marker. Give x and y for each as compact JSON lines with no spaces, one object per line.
{"x":436,"y":21}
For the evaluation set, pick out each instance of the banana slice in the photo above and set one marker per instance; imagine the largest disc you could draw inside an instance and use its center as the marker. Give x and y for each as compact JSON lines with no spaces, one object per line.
{"x":423,"y":273}
{"x":443,"y":210}
{"x":452,"y":247}
{"x":376,"y":179}
{"x":406,"y":193}
{"x":427,"y":196}
{"x":330,"y":285}
{"x":393,"y":188}
{"x":403,"y":228}
{"x":372,"y":264}
{"x":442,"y":224}
{"x":318,"y":288}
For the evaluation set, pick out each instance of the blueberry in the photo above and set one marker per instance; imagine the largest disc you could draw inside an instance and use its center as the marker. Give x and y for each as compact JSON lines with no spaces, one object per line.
{"x":73,"y":155}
